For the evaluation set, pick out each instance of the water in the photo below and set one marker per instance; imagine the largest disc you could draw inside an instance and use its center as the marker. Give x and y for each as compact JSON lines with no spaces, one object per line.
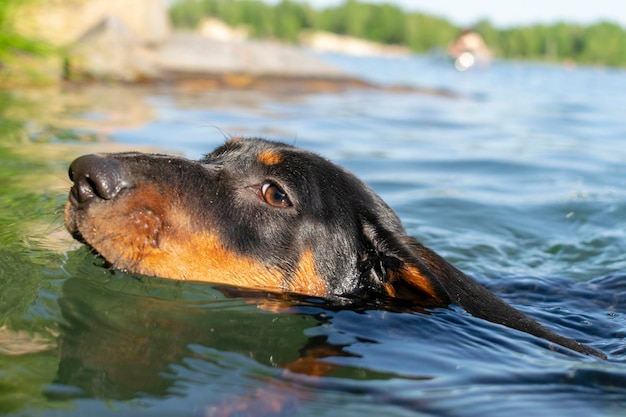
{"x":520,"y":182}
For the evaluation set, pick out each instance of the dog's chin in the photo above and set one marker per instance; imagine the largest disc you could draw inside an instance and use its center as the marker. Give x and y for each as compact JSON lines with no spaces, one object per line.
{"x":74,"y":231}
{"x":100,"y":260}
{"x":70,"y":221}
{"x":79,"y":237}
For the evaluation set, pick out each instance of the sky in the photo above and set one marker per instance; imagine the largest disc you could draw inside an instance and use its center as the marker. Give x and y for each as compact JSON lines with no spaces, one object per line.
{"x":512,"y":13}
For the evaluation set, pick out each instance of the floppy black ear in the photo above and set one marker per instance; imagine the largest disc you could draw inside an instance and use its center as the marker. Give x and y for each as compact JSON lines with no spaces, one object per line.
{"x":405,"y":269}
{"x":391,"y":266}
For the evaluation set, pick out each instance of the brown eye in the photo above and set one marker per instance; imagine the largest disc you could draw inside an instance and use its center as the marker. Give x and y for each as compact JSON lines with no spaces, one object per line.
{"x":274,"y":196}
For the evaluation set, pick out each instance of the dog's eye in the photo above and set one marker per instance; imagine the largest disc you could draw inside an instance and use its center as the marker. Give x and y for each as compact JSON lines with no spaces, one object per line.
{"x":273,"y":195}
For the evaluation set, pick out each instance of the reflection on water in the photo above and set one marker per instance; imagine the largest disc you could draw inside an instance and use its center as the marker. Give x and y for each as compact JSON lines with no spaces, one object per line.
{"x":520,"y":182}
{"x":118,"y":344}
{"x":130,"y":341}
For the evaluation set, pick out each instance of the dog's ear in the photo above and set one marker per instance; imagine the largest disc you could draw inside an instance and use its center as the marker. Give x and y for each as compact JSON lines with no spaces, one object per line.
{"x":401,"y":267}
{"x":392,"y":264}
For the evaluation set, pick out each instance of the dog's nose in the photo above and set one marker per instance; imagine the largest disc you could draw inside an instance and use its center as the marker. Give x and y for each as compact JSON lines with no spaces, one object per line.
{"x":97,"y":176}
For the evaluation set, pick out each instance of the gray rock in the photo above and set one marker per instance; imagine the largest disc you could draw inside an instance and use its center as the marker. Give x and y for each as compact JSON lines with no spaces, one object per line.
{"x":190,"y":53}
{"x":112,"y":51}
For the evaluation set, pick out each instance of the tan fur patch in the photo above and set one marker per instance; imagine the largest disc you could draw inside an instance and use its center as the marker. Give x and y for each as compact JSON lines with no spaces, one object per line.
{"x":269,"y":158}
{"x":409,"y":278}
{"x":306,"y":280}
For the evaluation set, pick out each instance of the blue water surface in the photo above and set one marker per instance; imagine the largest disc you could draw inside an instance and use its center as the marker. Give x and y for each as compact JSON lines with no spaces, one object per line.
{"x":519,"y":180}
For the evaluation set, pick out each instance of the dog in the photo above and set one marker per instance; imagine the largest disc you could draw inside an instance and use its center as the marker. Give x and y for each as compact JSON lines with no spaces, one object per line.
{"x":268,"y":216}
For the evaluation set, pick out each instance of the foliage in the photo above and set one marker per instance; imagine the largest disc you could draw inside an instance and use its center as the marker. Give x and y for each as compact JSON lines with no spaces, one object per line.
{"x":12,"y":43}
{"x":23,"y":61}
{"x":601,"y":43}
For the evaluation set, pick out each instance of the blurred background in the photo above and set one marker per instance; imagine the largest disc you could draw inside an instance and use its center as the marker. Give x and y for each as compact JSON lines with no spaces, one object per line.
{"x":553,"y":32}
{"x":495,"y":130}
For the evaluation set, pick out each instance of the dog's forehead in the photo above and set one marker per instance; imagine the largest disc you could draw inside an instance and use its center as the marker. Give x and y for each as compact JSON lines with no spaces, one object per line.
{"x":244,"y":154}
{"x":304,"y":175}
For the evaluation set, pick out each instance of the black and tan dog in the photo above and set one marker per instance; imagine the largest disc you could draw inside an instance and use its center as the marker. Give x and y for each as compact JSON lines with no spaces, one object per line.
{"x":269,"y":216}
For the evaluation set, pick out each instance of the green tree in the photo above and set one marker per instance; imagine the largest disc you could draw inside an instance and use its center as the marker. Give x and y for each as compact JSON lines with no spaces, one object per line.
{"x":188,"y":14}
{"x":604,"y":43}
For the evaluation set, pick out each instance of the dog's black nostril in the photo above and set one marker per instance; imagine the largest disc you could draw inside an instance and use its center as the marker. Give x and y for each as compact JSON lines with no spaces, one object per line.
{"x":97,"y":176}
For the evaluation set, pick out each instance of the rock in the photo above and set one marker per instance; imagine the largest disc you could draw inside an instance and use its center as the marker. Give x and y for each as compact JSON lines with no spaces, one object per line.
{"x":61,"y":22}
{"x":193,"y":54}
{"x":217,"y":30}
{"x":330,"y":42}
{"x":131,"y":41}
{"x":111,"y":51}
